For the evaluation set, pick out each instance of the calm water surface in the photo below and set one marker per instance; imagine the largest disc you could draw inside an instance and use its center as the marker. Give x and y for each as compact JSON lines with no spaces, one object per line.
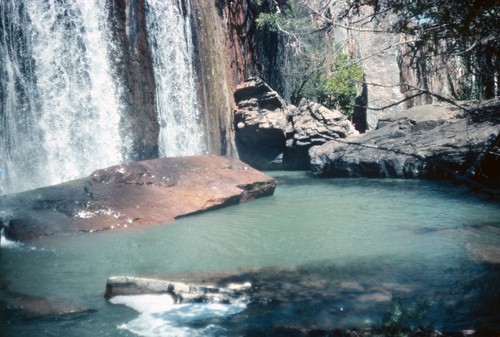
{"x":329,"y":253}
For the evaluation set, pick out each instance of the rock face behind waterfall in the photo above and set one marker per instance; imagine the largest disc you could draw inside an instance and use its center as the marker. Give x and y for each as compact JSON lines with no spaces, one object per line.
{"x":271,"y":134}
{"x":431,"y":141}
{"x":139,"y":193}
{"x":134,"y":68}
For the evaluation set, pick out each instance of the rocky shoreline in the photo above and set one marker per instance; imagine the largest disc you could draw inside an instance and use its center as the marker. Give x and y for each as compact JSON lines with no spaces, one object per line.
{"x":437,"y":141}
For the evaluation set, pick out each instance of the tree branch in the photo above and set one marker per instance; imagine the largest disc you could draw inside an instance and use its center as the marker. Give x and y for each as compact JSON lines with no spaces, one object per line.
{"x":421,"y":92}
{"x":333,"y":23}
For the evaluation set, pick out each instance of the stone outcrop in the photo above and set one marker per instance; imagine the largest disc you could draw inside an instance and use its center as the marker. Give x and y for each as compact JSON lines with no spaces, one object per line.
{"x":261,"y":125}
{"x":370,"y":41}
{"x":181,"y":292}
{"x":432,"y":141}
{"x":312,"y":124}
{"x":139,"y":193}
{"x":270,"y":134}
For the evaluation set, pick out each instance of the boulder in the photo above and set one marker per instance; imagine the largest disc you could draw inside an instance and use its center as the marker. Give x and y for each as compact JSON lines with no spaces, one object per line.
{"x":139,"y":193}
{"x":260,"y":124}
{"x":313,"y":124}
{"x":271,"y":134}
{"x":433,"y":141}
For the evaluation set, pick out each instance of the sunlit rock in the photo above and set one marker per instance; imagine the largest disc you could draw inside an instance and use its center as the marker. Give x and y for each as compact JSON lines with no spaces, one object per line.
{"x":433,"y":141}
{"x":261,"y":124}
{"x":271,"y":134}
{"x":181,"y":292}
{"x":139,"y":193}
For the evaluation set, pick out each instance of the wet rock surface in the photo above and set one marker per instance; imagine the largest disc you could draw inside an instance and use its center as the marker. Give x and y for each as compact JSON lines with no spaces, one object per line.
{"x":304,"y":301}
{"x":139,"y":193}
{"x":181,"y":292}
{"x":18,"y":305}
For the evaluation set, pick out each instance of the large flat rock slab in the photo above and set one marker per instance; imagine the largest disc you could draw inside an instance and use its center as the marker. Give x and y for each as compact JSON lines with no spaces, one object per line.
{"x":139,"y":193}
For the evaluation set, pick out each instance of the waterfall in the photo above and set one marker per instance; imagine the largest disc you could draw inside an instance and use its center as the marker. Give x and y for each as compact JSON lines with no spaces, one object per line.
{"x":59,"y":106}
{"x":170,"y":39}
{"x":61,"y":101}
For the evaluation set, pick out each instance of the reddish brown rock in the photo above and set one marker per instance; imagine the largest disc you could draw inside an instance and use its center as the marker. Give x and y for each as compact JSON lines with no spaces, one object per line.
{"x":139,"y":193}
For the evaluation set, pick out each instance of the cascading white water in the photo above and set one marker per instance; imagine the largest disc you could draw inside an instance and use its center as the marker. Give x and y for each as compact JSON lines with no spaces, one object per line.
{"x":60,"y":112}
{"x":170,"y":39}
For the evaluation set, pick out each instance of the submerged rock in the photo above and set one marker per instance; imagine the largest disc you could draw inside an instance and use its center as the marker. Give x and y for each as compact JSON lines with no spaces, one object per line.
{"x":485,"y":253}
{"x":139,"y":193}
{"x":13,"y":304}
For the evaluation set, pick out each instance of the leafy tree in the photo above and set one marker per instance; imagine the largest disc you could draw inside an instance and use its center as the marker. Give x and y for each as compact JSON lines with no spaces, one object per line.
{"x":464,"y":30}
{"x":341,"y":86}
{"x":315,"y":68}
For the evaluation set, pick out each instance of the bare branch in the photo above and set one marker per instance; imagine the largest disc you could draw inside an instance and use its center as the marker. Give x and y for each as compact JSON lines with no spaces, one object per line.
{"x":420,"y":92}
{"x":440,"y":97}
{"x":387,"y":48}
{"x":336,"y":24}
{"x":392,"y":104}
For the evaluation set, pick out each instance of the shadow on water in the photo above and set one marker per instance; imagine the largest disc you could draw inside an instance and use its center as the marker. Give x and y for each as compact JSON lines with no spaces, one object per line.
{"x":359,"y":297}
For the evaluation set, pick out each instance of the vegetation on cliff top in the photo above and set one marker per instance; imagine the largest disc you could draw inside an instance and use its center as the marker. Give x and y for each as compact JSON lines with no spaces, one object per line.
{"x":320,"y":69}
{"x":464,"y":31}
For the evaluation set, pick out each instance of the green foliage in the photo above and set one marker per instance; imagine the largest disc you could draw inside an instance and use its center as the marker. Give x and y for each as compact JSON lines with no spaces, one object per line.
{"x":314,"y":69}
{"x":270,"y":20}
{"x":339,"y":88}
{"x":468,"y":91}
{"x":406,"y":320}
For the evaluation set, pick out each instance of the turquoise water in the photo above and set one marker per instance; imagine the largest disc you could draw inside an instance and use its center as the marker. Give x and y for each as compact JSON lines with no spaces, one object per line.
{"x":327,"y":253}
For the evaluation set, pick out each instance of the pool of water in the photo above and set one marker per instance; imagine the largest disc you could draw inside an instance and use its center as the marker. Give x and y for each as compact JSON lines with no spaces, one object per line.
{"x":324,"y":253}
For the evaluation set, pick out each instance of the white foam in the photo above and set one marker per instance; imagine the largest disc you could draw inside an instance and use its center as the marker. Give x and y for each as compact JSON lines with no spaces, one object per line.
{"x":160,"y":316}
{"x":6,"y":243}
{"x":145,"y":303}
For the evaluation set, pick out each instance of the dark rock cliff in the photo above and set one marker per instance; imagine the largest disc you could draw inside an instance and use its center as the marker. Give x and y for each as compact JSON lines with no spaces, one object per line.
{"x":251,"y":52}
{"x":133,"y":61}
{"x":229,"y":50}
{"x":135,"y":68}
{"x":211,"y":63}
